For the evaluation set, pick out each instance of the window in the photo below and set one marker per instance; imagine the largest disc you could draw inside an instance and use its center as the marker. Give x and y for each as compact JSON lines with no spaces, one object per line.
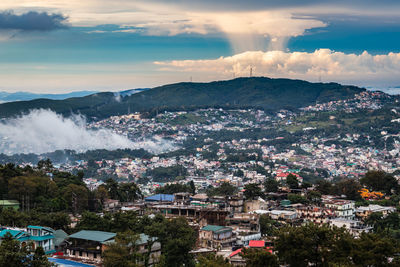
{"x":94,"y":255}
{"x":80,"y":253}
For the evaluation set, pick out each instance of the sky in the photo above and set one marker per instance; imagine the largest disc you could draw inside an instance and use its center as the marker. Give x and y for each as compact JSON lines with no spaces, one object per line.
{"x":55,"y":46}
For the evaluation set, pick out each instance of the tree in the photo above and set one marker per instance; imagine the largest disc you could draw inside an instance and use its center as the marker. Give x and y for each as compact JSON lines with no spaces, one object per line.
{"x":92,"y":221}
{"x":349,"y":188}
{"x":192,"y":187}
{"x":225,"y":189}
{"x":315,"y":245}
{"x":77,"y":196}
{"x":252,"y":191}
{"x":314,"y":197}
{"x":39,"y":259}
{"x":239,"y":173}
{"x":373,"y":250}
{"x":211,"y":260}
{"x":296,"y":198}
{"x":177,"y":238}
{"x":129,"y":192}
{"x":13,"y":254}
{"x":101,"y":194}
{"x":123,"y":252}
{"x":112,"y":188}
{"x":267,"y":225}
{"x":259,"y":258}
{"x":271,"y":185}
{"x":45,"y":165}
{"x":380,"y":181}
{"x":292,"y":182}
{"x":324,"y":187}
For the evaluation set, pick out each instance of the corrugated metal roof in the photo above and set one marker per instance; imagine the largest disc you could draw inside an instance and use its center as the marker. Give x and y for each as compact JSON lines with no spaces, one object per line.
{"x":98,"y":236}
{"x":160,"y":197}
{"x":256,"y":243}
{"x":216,"y":228}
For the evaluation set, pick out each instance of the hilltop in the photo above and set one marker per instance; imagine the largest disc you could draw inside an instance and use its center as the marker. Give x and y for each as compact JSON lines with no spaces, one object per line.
{"x":256,"y":92}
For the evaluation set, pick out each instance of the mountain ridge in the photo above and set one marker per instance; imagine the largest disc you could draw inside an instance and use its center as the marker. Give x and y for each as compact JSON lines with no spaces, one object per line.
{"x":255,"y":92}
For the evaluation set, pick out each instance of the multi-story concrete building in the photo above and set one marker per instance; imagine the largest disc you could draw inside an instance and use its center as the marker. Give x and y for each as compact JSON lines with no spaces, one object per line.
{"x":217,"y":237}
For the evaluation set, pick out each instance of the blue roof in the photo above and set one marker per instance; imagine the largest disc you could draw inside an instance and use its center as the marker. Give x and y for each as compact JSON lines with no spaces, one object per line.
{"x":68,"y":263}
{"x":160,"y":197}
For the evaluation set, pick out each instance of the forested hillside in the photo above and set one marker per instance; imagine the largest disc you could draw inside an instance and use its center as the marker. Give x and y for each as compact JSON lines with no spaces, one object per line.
{"x":258,"y":92}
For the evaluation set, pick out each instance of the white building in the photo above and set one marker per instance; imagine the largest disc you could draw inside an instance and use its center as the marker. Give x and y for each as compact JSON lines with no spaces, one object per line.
{"x":364,"y":212}
{"x":343,"y":208}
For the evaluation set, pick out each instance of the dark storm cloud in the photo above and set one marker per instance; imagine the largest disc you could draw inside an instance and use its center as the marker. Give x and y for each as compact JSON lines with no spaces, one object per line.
{"x":32,"y":21}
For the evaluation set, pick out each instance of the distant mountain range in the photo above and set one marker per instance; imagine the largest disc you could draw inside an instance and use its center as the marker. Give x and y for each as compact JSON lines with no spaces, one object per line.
{"x":256,"y":92}
{"x":26,"y":96}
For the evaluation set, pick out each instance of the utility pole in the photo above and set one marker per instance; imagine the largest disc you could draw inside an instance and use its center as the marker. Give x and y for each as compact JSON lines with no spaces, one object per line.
{"x":251,"y":72}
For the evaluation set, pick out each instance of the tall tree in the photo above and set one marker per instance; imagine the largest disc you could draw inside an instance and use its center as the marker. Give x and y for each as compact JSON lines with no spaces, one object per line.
{"x":271,"y":185}
{"x":253,"y":191}
{"x":123,"y":252}
{"x":292,"y":182}
{"x":259,"y":258}
{"x":373,"y":250}
{"x":177,"y":238}
{"x":312,"y":244}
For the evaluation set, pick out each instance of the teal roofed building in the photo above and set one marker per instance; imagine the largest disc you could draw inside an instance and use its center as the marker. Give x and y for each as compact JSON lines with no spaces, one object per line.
{"x":42,"y":237}
{"x":38,"y":236}
{"x":88,"y":245}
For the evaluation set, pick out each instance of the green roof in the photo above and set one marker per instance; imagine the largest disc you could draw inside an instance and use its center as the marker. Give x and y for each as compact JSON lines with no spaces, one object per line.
{"x":216,"y":228}
{"x":97,"y":236}
{"x":59,"y":237}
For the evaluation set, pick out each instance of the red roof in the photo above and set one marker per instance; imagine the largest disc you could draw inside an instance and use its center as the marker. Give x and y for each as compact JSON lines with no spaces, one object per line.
{"x":269,"y":249}
{"x":257,"y":243}
{"x":236,"y":252}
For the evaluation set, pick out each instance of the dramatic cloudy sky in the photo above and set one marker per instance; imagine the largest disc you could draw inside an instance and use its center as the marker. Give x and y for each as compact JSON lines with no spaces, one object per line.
{"x":67,"y":45}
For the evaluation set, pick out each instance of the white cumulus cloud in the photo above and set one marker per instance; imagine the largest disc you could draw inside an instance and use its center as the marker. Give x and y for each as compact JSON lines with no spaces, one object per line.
{"x":323,"y":63}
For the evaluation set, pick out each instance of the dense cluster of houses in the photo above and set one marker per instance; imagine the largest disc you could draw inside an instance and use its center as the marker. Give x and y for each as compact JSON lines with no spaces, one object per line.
{"x":224,"y":224}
